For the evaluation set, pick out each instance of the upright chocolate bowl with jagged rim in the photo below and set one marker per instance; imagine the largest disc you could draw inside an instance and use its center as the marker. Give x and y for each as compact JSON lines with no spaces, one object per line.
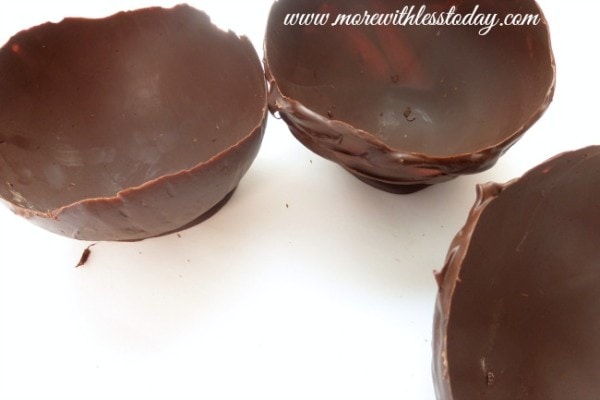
{"x":403,"y":105}
{"x":517,"y":309}
{"x":129,"y":126}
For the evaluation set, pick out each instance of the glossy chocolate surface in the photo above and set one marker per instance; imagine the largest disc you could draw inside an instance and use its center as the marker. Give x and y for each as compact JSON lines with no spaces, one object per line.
{"x":401,"y":106}
{"x":517,"y":310}
{"x":129,"y":126}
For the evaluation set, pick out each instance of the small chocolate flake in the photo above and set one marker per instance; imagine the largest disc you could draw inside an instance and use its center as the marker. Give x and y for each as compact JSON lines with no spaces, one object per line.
{"x":329,"y":114}
{"x":85,"y":256}
{"x":408,"y":115}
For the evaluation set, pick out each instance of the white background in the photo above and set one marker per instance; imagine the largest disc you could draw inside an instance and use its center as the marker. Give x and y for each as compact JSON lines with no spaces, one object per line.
{"x":308,"y":284}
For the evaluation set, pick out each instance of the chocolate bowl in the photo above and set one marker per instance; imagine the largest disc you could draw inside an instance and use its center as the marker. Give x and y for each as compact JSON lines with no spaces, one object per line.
{"x":130,"y":126}
{"x":403,"y":107}
{"x":517,"y":309}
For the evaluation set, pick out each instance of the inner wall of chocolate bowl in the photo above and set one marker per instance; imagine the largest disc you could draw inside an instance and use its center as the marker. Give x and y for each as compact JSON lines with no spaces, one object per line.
{"x":524,"y":320}
{"x":91,"y":107}
{"x":438,"y":90}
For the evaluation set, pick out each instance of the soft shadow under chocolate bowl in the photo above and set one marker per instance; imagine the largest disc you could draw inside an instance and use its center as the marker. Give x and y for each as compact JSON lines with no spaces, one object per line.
{"x":127,"y":127}
{"x":402,"y":107}
{"x":517,"y":313}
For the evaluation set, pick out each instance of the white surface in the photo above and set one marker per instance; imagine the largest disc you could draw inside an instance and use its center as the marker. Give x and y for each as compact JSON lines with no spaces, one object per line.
{"x":308,"y":284}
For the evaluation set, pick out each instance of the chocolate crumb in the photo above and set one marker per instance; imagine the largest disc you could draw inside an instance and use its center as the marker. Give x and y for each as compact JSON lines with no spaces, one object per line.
{"x":408,"y":115}
{"x":85,"y":256}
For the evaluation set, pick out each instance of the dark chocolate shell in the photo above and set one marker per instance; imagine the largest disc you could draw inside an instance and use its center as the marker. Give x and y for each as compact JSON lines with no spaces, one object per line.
{"x":402,"y":107}
{"x":517,"y":309}
{"x":129,"y":126}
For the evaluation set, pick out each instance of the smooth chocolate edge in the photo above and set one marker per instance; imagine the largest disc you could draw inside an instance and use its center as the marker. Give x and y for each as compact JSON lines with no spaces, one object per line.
{"x":453,"y":166}
{"x":447,"y":277}
{"x":51,"y":220}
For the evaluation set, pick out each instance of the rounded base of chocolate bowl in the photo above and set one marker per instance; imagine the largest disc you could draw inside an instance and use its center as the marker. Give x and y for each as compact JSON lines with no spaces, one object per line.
{"x":205,"y":216}
{"x":395,"y":188}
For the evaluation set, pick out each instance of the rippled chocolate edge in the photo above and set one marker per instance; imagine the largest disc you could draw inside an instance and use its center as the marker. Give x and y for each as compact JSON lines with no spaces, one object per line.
{"x":448,"y":277}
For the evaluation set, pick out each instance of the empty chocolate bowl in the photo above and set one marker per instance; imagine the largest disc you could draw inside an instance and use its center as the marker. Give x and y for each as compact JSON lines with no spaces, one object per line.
{"x":130,"y":126}
{"x":517,"y":309}
{"x":402,"y":103}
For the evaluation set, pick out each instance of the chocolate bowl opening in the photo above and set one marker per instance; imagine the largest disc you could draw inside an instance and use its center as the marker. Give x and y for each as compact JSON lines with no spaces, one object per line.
{"x":436,"y":90}
{"x":91,"y":107}
{"x":517,"y":314}
{"x":403,"y":104}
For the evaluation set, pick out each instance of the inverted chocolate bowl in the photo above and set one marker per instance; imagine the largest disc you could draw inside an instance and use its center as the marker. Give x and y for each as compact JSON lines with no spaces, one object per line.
{"x":402,"y":104}
{"x":130,"y":126}
{"x":517,"y":308}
